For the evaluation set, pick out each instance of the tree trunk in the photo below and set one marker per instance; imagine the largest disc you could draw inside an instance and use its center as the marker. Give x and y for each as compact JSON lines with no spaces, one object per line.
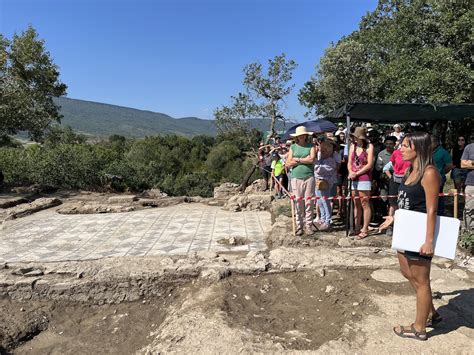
{"x":274,"y":118}
{"x":248,"y":175}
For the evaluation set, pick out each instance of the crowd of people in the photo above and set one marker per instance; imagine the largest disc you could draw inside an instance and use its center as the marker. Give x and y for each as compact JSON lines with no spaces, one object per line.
{"x":406,"y":170}
{"x":322,"y":164}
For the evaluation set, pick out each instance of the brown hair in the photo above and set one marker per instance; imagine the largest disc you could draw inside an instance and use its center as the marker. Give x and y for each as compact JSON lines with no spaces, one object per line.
{"x":421,"y":143}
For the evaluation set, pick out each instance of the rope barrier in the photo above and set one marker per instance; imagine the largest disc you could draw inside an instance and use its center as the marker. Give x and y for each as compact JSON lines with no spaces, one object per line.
{"x":278,"y":182}
{"x":293,"y":197}
{"x":315,"y":198}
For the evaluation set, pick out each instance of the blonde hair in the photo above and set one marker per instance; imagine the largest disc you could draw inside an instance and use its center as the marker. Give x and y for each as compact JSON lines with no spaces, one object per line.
{"x":421,"y":143}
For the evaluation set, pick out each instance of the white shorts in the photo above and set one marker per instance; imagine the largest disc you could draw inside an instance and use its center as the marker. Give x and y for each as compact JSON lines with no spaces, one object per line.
{"x":362,"y":185}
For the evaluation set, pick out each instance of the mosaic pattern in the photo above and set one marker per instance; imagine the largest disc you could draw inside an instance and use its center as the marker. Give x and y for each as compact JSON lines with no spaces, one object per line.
{"x":176,"y":230}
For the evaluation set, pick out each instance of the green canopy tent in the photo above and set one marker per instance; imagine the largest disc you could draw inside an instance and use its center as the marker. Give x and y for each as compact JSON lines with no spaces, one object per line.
{"x":395,"y":113}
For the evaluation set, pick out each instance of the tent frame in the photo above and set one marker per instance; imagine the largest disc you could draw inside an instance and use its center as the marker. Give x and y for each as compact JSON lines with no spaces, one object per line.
{"x":408,"y":112}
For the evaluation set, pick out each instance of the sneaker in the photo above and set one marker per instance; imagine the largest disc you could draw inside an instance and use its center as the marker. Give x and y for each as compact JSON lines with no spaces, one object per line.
{"x":308,"y":230}
{"x":299,"y":232}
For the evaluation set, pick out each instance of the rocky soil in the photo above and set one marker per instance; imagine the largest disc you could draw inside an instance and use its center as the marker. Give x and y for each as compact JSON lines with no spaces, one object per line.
{"x":318,"y":299}
{"x":318,"y":294}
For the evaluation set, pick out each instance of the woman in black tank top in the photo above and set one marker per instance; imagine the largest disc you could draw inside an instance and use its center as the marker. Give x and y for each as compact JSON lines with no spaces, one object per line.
{"x":411,"y":197}
{"x":419,"y":192}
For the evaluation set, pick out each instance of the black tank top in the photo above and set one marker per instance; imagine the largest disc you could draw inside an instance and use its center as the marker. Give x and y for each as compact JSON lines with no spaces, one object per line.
{"x":412,"y":197}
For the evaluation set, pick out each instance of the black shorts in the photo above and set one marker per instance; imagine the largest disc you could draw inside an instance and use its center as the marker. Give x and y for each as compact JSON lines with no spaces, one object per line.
{"x":393,"y":190}
{"x":266,"y":172}
{"x":414,"y":256}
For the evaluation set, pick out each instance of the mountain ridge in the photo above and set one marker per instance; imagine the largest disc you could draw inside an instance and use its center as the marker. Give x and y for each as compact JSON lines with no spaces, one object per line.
{"x":102,"y":120}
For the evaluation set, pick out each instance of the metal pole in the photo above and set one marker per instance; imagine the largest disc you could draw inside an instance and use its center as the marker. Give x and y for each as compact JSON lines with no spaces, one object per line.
{"x":348,"y":208}
{"x":350,"y":205}
{"x":348,"y":129}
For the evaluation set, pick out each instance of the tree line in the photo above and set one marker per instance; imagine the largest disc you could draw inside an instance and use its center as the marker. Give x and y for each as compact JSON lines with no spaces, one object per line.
{"x":403,"y":51}
{"x":176,"y":165}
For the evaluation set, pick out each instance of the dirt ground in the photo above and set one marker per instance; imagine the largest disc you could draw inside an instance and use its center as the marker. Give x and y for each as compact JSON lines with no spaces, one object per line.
{"x":322,"y":294}
{"x":54,"y":327}
{"x":290,"y":311}
{"x":302,"y":311}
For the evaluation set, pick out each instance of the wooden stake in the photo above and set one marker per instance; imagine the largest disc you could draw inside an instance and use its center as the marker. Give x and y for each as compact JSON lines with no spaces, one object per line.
{"x":456,"y":198}
{"x":293,"y":220}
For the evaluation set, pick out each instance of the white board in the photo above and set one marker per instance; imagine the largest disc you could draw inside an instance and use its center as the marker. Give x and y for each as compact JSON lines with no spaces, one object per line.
{"x":409,"y":232}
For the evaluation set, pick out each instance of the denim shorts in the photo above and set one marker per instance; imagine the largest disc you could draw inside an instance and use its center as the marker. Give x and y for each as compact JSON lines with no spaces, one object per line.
{"x":362,"y":185}
{"x":459,"y":174}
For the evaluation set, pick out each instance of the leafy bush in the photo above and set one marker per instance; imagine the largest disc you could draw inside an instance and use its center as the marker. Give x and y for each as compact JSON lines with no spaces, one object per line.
{"x":467,"y":241}
{"x":16,"y":164}
{"x":192,"y":184}
{"x":66,"y":165}
{"x":223,"y":160}
{"x":10,"y":142}
{"x":177,"y":165}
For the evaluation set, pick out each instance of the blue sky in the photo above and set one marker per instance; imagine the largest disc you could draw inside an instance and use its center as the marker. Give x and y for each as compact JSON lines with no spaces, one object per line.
{"x":179,"y":57}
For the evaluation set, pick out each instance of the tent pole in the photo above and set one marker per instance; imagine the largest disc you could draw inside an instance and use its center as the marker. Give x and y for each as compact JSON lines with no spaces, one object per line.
{"x":348,"y":132}
{"x":350,"y":203}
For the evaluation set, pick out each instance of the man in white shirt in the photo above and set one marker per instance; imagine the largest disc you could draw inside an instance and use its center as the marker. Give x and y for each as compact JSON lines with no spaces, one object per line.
{"x":397,"y":132}
{"x":340,"y":129}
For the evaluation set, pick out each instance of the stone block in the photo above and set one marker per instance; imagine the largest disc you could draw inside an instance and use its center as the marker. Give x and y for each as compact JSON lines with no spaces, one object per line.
{"x":122,"y":199}
{"x":226,"y":190}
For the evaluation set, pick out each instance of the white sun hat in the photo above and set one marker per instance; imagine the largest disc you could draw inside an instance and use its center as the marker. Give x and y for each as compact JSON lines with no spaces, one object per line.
{"x":301,"y":130}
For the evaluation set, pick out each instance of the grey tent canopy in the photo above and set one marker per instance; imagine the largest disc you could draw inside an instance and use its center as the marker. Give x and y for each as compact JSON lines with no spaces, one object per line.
{"x":402,"y":112}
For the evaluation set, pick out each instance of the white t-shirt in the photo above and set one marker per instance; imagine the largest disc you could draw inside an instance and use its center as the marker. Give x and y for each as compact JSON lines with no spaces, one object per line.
{"x":398,"y":135}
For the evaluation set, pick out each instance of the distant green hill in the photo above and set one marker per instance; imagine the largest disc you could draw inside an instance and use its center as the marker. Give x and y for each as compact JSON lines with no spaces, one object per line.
{"x":102,"y":120}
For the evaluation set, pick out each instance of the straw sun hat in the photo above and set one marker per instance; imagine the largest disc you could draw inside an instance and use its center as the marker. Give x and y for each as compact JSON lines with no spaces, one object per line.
{"x":360,"y":133}
{"x":301,"y":130}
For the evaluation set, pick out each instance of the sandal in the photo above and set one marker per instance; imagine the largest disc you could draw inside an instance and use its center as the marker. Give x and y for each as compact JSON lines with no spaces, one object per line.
{"x":433,"y":319}
{"x":354,"y":233}
{"x":361,"y":235}
{"x":410,"y":332}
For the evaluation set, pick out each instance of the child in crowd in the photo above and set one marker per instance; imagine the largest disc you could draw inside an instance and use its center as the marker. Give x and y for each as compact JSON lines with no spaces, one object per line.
{"x":278,"y":168}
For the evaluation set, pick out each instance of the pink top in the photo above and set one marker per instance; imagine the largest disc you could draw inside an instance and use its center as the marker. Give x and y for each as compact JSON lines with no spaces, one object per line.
{"x":399,"y":165}
{"x":358,"y":162}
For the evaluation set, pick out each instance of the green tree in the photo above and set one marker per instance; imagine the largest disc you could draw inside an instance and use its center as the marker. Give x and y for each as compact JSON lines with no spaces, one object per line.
{"x":233,"y":118}
{"x":266,"y":90}
{"x":28,"y":82}
{"x":269,"y":89}
{"x":342,"y":76}
{"x":265,"y":95}
{"x":57,"y":134}
{"x":404,"y":51}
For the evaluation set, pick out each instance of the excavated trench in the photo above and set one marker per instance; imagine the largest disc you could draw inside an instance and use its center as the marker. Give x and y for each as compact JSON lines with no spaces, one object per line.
{"x":298,"y":310}
{"x":165,"y":305}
